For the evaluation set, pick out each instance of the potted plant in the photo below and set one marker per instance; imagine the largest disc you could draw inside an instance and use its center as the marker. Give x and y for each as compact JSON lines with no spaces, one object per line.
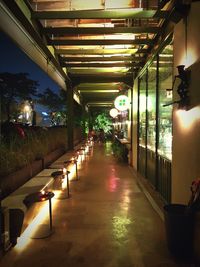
{"x":182,"y":224}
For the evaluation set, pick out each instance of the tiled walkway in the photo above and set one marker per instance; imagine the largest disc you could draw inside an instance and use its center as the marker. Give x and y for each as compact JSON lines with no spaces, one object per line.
{"x":107,"y":222}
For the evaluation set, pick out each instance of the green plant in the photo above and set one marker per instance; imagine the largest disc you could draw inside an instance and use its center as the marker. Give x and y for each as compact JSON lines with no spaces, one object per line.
{"x":102,"y":121}
{"x":38,"y":142}
{"x":120,"y":152}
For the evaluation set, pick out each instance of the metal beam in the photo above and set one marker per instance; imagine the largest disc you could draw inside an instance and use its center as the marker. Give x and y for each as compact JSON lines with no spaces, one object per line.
{"x":91,"y":91}
{"x":99,"y":42}
{"x":100,"y":104}
{"x":100,"y":14}
{"x":98,"y":30}
{"x":101,"y":65}
{"x":98,"y":51}
{"x":99,"y":86}
{"x":89,"y":59}
{"x":101,"y":78}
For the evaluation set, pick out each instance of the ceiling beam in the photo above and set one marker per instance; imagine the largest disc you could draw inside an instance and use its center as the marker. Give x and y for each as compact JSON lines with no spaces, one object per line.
{"x":99,"y":42}
{"x":100,"y":14}
{"x":99,"y":86}
{"x":98,"y":51}
{"x":100,"y":104}
{"x":89,"y":59}
{"x":101,"y":65}
{"x":100,"y":78}
{"x":98,"y":30}
{"x":101,"y":75}
{"x":98,"y":91}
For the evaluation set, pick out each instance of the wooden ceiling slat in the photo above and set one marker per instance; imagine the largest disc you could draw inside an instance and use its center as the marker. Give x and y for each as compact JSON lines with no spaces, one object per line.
{"x":89,"y":59}
{"x":98,"y":51}
{"x":100,"y":14}
{"x":101,"y":65}
{"x":100,"y":42}
{"x":101,"y":78}
{"x":99,"y":30}
{"x":63,"y":21}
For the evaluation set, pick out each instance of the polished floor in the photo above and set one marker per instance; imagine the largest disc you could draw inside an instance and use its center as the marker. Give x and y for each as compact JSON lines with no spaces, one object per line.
{"x":106,"y":222}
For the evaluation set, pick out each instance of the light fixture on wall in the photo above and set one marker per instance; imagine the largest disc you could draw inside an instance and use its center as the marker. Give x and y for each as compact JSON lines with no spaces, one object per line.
{"x":114,"y":112}
{"x":182,"y":88}
{"x":122,"y":102}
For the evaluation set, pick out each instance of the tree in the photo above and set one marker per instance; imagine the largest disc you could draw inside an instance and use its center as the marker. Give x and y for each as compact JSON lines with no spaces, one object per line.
{"x":56,"y":103}
{"x":51,"y":100}
{"x":15,"y":87}
{"x":102,"y":121}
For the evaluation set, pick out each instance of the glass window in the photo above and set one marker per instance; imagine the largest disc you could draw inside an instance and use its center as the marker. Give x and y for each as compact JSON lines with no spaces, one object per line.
{"x":165,"y":96}
{"x":142,"y":111}
{"x":151,"y":107}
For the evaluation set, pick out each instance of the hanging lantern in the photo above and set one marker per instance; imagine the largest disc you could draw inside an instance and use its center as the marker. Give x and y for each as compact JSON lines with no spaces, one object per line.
{"x":121,"y":102}
{"x":113,"y":112}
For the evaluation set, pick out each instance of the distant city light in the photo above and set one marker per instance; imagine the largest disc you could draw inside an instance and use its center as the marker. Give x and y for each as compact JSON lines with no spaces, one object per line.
{"x":44,"y":113}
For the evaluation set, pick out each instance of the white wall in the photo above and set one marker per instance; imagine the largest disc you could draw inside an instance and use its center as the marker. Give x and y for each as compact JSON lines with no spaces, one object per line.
{"x":186,"y":124}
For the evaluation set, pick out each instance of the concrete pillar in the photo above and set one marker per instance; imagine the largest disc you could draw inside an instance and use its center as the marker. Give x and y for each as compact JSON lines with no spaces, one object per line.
{"x":84,"y":117}
{"x":70,"y":115}
{"x":186,"y":124}
{"x":134,"y":125}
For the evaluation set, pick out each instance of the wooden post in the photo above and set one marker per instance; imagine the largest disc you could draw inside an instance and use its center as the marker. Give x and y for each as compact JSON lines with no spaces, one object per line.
{"x":70,"y":115}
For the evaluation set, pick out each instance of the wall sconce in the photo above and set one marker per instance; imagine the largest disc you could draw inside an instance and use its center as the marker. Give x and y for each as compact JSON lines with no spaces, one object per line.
{"x":182,"y":89}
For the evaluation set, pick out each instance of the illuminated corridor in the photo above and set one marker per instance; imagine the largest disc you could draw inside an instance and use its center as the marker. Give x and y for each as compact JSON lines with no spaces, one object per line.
{"x":107,"y":222}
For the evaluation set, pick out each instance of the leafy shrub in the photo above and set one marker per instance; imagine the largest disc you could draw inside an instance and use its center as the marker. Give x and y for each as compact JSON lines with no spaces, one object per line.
{"x":119,"y":151}
{"x":18,"y":152}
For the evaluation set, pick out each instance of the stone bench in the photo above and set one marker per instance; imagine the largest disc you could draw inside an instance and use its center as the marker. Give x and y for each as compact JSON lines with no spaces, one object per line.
{"x":20,"y":216}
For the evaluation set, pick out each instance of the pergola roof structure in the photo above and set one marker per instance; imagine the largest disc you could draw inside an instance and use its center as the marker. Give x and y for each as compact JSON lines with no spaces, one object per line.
{"x":99,"y":46}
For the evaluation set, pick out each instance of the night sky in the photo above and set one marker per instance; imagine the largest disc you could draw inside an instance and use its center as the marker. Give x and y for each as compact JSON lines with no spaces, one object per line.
{"x":14,"y":60}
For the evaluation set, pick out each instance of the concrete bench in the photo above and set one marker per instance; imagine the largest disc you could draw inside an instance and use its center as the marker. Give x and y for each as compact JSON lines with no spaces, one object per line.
{"x":67,"y":157}
{"x":20,"y":216}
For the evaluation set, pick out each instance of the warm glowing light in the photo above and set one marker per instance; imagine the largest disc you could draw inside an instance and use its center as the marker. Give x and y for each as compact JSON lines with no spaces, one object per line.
{"x":192,"y":57}
{"x":113,"y":112}
{"x":122,"y":46}
{"x":43,"y":192}
{"x":169,"y":93}
{"x":64,"y":183}
{"x":189,"y":59}
{"x":43,"y":215}
{"x":142,"y":103}
{"x":121,"y":102}
{"x":64,"y":171}
{"x":24,"y":240}
{"x":26,"y":108}
{"x":188,"y":118}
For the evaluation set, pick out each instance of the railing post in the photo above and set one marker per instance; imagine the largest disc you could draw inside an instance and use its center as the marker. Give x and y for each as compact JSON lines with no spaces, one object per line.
{"x":70,"y":115}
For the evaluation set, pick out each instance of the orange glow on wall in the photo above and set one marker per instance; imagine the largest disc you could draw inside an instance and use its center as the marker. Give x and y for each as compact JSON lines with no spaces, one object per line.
{"x":192,"y":57}
{"x":187,"y":119}
{"x":189,"y":59}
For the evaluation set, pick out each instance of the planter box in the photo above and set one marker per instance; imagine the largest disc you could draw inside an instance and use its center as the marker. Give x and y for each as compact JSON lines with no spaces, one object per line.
{"x":11,"y":182}
{"x":14,"y":180}
{"x":51,"y":157}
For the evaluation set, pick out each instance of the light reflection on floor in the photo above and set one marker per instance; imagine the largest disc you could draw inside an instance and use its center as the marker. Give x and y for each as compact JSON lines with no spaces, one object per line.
{"x":120,"y":224}
{"x":43,"y":216}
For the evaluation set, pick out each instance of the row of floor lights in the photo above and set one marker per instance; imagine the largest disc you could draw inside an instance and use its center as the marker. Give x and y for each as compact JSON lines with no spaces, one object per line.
{"x":71,"y":170}
{"x":68,"y":172}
